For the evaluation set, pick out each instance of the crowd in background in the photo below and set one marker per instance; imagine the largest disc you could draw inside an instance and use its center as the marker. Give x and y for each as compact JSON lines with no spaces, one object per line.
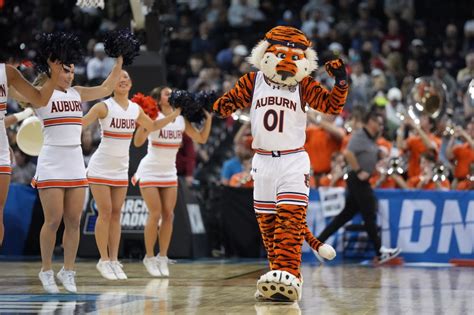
{"x":384,"y":44}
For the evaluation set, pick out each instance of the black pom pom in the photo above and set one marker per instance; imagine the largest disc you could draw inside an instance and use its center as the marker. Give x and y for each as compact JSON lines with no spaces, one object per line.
{"x":61,"y":46}
{"x":184,"y":100}
{"x":192,"y":105}
{"x":205,"y":99}
{"x":122,"y":43}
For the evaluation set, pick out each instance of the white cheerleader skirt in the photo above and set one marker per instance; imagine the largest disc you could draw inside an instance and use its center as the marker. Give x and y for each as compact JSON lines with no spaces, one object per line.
{"x":109,"y":170}
{"x":60,"y":167}
{"x":5,"y":162}
{"x":152,"y":173}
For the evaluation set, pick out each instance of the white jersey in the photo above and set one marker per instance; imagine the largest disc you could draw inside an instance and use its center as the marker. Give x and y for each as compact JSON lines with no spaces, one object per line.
{"x":118,"y":127}
{"x":277,"y":116}
{"x":164,"y":144}
{"x":62,"y":118}
{"x":3,"y":91}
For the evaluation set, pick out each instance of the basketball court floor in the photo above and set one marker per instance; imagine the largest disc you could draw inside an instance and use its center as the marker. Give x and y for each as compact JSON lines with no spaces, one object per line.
{"x":228,"y":287}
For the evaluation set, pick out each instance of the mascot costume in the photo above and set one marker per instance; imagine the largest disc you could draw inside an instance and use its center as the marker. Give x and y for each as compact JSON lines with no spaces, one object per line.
{"x":278,"y":95}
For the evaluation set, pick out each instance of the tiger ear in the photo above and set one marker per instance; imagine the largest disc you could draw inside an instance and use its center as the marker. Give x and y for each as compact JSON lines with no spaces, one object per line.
{"x":312,"y":57}
{"x":257,"y":53}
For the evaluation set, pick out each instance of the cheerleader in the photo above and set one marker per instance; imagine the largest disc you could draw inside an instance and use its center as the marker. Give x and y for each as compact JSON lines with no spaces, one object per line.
{"x":158,"y":180}
{"x":60,"y":174}
{"x":21,"y":89}
{"x":107,"y":171}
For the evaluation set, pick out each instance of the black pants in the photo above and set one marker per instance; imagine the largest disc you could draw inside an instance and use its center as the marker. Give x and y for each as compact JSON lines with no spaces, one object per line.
{"x":359,"y":198}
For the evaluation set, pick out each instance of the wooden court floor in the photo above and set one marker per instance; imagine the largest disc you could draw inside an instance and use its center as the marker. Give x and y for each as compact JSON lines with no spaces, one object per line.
{"x":228,"y":287}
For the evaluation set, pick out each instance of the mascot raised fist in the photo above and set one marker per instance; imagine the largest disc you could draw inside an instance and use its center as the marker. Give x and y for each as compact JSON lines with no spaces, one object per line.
{"x":278,"y":94}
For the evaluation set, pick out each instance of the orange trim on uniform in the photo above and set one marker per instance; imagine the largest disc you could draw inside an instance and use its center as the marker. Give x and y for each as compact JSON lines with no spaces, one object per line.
{"x":108,"y":182}
{"x":158,"y":184}
{"x":5,"y":169}
{"x":3,"y":106}
{"x":282,"y":152}
{"x":62,"y":121}
{"x":118,"y":135}
{"x":59,"y":183}
{"x":264,"y":206}
{"x":292,"y":196}
{"x":165,"y":145}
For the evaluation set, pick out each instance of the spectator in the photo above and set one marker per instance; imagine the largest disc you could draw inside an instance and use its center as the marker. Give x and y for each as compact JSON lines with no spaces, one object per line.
{"x":440,"y":72}
{"x":288,"y":18}
{"x":323,"y":138}
{"x":394,"y":38}
{"x":335,"y":178}
{"x":418,"y":51}
{"x":203,"y":42}
{"x":316,"y":21}
{"x":244,"y":178}
{"x":394,"y":108}
{"x":466,"y":74}
{"x":186,"y":160}
{"x":360,"y":83}
{"x":468,"y":44}
{"x":99,"y":67}
{"x":243,"y":151}
{"x":241,"y":14}
{"x":404,"y":9}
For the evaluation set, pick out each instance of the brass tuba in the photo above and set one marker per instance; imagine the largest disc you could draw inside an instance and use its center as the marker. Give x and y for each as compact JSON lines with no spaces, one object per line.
{"x":428,"y":95}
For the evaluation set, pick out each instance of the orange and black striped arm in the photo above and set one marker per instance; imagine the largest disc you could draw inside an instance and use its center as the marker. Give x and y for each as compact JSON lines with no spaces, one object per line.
{"x":239,"y":97}
{"x":320,"y":99}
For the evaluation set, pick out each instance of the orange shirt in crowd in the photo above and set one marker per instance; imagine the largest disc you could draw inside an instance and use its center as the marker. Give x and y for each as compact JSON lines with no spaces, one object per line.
{"x":413,"y":183}
{"x":382,"y":142}
{"x":242,"y":179}
{"x":325,"y":181}
{"x":416,"y":147}
{"x":464,"y":156}
{"x":320,"y":146}
{"x":465,"y":184}
{"x":388,"y":183}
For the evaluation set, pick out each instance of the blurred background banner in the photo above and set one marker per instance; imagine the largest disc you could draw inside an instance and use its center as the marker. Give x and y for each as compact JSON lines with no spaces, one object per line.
{"x":17,"y":218}
{"x":189,"y":239}
{"x":428,"y":226}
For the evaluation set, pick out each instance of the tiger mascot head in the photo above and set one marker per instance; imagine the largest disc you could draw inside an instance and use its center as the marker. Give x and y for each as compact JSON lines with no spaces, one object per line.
{"x":285,"y":56}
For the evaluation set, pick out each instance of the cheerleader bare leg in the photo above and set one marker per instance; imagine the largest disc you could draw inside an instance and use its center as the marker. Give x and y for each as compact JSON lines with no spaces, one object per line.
{"x":152,"y":199}
{"x":103,"y":200}
{"x":118,"y":195}
{"x":73,"y":203}
{"x":53,"y":214}
{"x":169,"y":196}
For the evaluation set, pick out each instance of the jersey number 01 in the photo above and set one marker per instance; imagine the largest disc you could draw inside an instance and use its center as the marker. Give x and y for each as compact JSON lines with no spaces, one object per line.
{"x":271,"y":120}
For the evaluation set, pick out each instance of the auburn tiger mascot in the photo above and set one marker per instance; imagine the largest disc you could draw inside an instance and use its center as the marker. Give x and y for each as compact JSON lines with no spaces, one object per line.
{"x":277,"y":95}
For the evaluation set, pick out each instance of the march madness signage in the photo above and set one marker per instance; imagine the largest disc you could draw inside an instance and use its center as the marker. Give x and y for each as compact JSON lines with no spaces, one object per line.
{"x":133,"y":217}
{"x":427,"y":225}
